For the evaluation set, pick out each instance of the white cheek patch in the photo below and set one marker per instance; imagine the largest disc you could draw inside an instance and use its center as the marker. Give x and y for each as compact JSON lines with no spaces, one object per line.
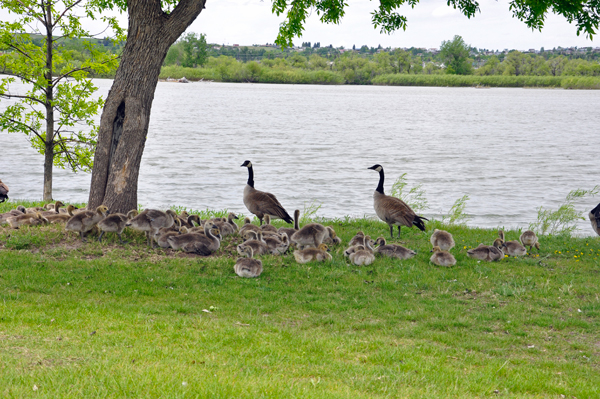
{"x":249,"y":164}
{"x":379,"y":169}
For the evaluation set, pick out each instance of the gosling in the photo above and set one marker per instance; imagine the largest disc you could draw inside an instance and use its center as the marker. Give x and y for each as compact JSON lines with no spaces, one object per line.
{"x":85,"y":221}
{"x":115,"y":223}
{"x":247,"y":267}
{"x":512,"y":248}
{"x":442,"y":258}
{"x":442,"y":239}
{"x":528,"y":238}
{"x":361,"y":255}
{"x":488,"y":253}
{"x":312,"y":254}
{"x":393,"y":250}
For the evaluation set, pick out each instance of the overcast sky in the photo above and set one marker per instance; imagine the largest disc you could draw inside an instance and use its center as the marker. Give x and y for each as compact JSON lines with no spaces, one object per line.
{"x":248,"y":22}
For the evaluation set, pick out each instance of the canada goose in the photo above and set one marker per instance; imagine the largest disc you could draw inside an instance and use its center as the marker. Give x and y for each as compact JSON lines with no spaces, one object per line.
{"x":27,"y":219}
{"x":528,"y":238}
{"x":197,"y":243}
{"x":512,"y":248}
{"x":312,"y":254}
{"x":268,"y":226}
{"x":3,"y":192}
{"x":594,"y":216}
{"x":62,"y":217}
{"x":393,"y":250}
{"x":288,"y":230}
{"x":164,"y":233}
{"x":150,"y":220}
{"x":85,"y":221}
{"x":20,"y":210}
{"x":312,"y":235}
{"x":55,"y":209}
{"x":442,"y":258}
{"x":115,"y":223}
{"x":247,"y":267}
{"x":488,"y":253}
{"x":228,"y":226}
{"x":394,"y":211}
{"x":442,"y":239}
{"x":262,"y":203}
{"x":259,"y":246}
{"x":361,"y":255}
{"x":35,"y":209}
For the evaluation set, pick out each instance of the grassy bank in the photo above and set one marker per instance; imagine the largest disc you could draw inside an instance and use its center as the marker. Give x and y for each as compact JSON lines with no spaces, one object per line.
{"x":107,"y":320}
{"x":244,"y":73}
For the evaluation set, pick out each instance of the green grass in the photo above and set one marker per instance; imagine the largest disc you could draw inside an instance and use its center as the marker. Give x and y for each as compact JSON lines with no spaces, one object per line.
{"x":525,"y":328}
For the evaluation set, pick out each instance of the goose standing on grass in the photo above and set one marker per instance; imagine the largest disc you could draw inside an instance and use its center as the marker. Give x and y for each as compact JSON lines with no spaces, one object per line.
{"x":594,"y":216}
{"x":247,"y":267}
{"x":115,"y":223}
{"x":85,"y":221}
{"x":392,"y":210}
{"x":261,"y":203}
{"x":3,"y":192}
{"x":529,"y":239}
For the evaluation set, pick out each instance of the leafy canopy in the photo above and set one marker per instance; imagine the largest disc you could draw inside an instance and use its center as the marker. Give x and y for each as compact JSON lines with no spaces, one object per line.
{"x":585,"y":13}
{"x":54,"y":106}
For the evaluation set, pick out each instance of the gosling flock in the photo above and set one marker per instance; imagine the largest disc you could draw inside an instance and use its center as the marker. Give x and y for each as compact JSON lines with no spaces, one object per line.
{"x":190,"y":234}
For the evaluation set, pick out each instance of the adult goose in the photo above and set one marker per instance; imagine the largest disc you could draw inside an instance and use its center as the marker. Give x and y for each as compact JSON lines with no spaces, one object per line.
{"x":392,"y":210}
{"x":594,"y":216}
{"x":3,"y":192}
{"x":261,"y":203}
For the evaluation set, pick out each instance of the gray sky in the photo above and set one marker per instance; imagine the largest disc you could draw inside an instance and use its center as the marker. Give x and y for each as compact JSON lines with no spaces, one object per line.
{"x":248,"y":22}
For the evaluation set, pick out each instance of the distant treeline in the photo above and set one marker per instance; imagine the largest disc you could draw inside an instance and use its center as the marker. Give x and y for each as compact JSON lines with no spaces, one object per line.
{"x":396,"y":68}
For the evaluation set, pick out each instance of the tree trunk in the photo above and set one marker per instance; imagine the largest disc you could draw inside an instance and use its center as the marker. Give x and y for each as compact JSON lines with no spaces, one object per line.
{"x":126,"y":114}
{"x":49,"y":142}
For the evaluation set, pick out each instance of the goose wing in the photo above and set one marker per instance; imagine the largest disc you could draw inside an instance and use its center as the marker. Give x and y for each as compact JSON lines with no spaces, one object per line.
{"x":396,"y":211}
{"x":269,"y":204}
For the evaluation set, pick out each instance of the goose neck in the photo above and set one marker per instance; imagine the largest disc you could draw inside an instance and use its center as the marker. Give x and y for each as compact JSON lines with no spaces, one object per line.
{"x":381,"y":180}
{"x":250,"y":176}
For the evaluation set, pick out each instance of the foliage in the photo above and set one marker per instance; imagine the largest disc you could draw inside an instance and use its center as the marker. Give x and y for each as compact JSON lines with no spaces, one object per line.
{"x":562,"y":221}
{"x":415,"y":197}
{"x":57,"y":112}
{"x":309,"y":211}
{"x":457,"y":214}
{"x":455,"y":54}
{"x":194,"y":50}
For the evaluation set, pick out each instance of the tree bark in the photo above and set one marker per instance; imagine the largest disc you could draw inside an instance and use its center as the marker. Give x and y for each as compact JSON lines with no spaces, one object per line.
{"x":126,"y":114}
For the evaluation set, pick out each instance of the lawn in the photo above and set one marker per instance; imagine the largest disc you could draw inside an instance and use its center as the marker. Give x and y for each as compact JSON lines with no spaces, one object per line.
{"x":111,"y":320}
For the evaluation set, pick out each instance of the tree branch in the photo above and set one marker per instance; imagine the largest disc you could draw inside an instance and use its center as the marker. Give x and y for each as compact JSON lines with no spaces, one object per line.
{"x":19,"y":123}
{"x":23,"y":97}
{"x":182,"y":16}
{"x":67,"y":9}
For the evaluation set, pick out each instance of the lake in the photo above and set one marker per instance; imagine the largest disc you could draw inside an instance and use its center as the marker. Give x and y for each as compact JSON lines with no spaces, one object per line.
{"x":511,"y":150}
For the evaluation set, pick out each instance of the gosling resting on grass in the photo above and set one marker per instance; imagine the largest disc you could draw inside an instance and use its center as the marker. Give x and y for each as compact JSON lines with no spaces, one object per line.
{"x":442,"y":239}
{"x":392,"y":210}
{"x":312,"y":254}
{"x":393,"y":250}
{"x":247,"y":267}
{"x":442,"y":258}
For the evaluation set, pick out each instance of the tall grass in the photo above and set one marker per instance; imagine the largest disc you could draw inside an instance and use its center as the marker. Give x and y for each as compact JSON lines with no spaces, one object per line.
{"x":467,"y":80}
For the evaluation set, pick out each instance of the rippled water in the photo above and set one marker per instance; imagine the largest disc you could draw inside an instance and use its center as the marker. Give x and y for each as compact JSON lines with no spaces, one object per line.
{"x":510,"y":150}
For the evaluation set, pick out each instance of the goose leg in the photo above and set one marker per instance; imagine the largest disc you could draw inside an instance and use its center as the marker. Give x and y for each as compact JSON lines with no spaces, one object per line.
{"x":100,"y":237}
{"x":121,"y":239}
{"x":392,"y":230}
{"x":81,"y":235}
{"x":399,"y":231}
